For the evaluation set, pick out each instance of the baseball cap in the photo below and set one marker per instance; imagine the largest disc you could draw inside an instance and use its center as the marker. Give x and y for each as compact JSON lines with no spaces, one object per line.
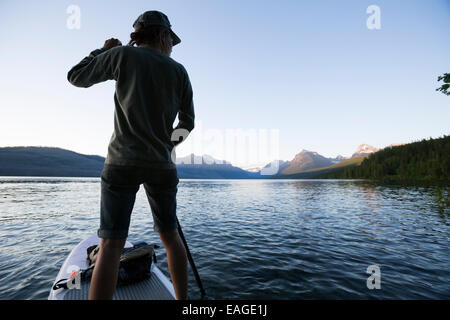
{"x":155,"y":18}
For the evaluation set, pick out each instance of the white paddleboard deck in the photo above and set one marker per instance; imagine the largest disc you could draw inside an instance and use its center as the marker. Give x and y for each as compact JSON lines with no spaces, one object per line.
{"x":158,"y":287}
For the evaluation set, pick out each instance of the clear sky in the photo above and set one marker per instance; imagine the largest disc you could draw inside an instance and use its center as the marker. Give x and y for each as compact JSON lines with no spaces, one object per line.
{"x":310,"y":69}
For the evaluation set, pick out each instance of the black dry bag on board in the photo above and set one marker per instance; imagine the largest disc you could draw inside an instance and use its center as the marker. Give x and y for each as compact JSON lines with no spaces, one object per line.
{"x":135,"y":263}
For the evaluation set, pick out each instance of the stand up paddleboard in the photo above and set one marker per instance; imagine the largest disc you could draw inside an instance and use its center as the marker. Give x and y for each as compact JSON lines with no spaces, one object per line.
{"x":157,"y":287}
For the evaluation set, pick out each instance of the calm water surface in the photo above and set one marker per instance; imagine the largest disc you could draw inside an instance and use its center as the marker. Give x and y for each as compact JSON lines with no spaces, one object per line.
{"x":251,"y":239}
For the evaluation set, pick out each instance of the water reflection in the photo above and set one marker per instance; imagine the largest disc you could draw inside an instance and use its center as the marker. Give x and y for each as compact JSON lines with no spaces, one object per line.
{"x":252,"y":239}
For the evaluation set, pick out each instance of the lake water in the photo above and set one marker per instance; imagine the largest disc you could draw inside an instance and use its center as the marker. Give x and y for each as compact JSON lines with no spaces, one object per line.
{"x":250,"y":239}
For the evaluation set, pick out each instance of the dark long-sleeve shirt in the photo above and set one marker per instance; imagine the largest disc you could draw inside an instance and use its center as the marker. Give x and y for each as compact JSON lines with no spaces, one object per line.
{"x":151,"y":89}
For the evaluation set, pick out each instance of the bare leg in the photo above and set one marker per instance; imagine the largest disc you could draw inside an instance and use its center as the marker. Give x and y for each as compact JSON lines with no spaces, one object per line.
{"x":104,"y":277}
{"x":177,"y":261}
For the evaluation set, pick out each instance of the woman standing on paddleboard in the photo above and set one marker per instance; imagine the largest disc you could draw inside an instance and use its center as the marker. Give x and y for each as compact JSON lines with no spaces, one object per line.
{"x":151,"y":89}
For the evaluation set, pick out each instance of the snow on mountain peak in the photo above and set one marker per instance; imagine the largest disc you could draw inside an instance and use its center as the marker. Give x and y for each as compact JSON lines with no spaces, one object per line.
{"x":364,"y":149}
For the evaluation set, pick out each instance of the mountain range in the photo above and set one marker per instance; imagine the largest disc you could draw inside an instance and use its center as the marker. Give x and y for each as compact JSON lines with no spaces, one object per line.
{"x":49,"y":161}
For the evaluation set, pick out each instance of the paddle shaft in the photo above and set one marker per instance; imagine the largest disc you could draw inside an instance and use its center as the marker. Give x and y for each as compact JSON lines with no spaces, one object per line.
{"x":191,"y":261}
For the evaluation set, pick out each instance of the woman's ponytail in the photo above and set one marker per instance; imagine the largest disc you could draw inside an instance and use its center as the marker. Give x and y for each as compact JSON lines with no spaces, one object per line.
{"x":150,"y":35}
{"x":133,"y":38}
